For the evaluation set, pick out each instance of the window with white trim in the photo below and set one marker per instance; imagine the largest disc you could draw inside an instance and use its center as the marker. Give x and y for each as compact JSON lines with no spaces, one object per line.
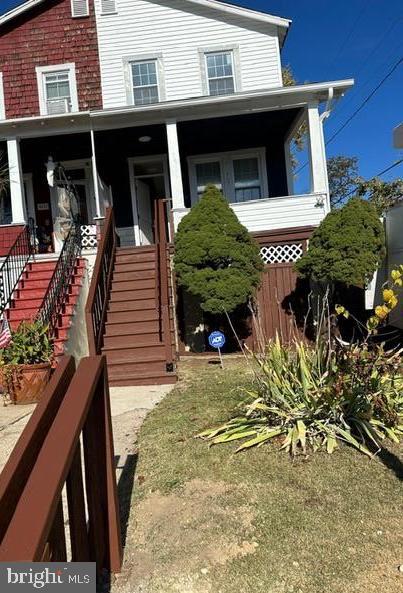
{"x":57,"y":89}
{"x":240,"y":175}
{"x":108,"y":7}
{"x":145,"y":82}
{"x":2,"y":99}
{"x":220,"y":72}
{"x":79,"y":8}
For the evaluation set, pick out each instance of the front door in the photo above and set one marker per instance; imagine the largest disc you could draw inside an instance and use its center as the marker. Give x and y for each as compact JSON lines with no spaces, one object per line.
{"x":149,"y":182}
{"x":145,"y":212}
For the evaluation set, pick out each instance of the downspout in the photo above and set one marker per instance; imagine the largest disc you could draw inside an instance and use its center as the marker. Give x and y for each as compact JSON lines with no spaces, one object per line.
{"x":323,"y":117}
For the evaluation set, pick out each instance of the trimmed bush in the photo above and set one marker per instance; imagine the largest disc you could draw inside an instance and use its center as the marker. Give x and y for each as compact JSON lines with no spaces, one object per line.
{"x":216,"y":259}
{"x":347,"y":247}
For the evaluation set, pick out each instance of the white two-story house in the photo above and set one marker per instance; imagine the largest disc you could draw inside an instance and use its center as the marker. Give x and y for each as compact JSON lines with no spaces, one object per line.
{"x":149,"y":100}
{"x":158,"y":98}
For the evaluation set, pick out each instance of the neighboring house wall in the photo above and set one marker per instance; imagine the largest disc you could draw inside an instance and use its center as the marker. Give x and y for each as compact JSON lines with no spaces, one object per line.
{"x":47,"y":36}
{"x":177,"y":33}
{"x":394,"y":258}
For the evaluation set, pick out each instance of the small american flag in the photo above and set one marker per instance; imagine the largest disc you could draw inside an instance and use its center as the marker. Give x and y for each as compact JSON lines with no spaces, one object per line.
{"x":5,"y":333}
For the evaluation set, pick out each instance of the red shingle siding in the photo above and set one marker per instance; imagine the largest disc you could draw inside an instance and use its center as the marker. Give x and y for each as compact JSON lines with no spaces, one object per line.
{"x":46,"y":36}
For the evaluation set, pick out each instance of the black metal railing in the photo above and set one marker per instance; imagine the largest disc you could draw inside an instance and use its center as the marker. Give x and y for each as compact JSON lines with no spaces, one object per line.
{"x":59,"y":285}
{"x":14,"y":265}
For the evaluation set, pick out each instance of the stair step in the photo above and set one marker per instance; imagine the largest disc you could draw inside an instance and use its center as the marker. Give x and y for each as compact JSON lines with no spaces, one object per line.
{"x":132,"y":295}
{"x":122,"y":369}
{"x":133,"y":285}
{"x":135,"y":249}
{"x":22,"y":314}
{"x":154,"y":378}
{"x":48,"y":266}
{"x":133,"y":354}
{"x":128,"y":258}
{"x":130,"y":316}
{"x":134,"y":275}
{"x":134,"y":266}
{"x":129,"y":328}
{"x":26,"y":303}
{"x":33,"y":283}
{"x":37,"y":275}
{"x":139,"y":305}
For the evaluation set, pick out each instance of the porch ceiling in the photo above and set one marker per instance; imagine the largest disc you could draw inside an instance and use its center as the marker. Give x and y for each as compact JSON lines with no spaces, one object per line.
{"x":184,"y":110}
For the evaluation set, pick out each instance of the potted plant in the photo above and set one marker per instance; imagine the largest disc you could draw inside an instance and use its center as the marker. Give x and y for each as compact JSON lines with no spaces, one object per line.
{"x":26,"y":363}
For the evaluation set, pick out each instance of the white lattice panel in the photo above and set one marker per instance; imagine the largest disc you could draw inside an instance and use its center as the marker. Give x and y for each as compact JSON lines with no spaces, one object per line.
{"x":281,"y":254}
{"x":89,"y":237}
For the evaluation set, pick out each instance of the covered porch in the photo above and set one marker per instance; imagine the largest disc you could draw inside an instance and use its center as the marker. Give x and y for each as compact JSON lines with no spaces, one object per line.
{"x":131,"y":157}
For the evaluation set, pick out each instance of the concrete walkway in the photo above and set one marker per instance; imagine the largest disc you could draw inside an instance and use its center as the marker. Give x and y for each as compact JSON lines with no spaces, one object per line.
{"x":129,"y":406}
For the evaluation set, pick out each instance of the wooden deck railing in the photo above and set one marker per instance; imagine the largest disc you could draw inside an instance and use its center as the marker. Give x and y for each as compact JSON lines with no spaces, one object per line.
{"x":162,"y":284}
{"x":48,"y":456}
{"x":97,"y":302}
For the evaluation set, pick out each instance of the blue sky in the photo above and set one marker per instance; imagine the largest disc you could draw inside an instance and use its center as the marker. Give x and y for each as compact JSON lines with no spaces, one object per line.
{"x":361,"y":39}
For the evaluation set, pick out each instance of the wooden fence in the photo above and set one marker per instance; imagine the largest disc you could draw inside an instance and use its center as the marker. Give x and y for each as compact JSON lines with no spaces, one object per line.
{"x":282,"y":297}
{"x":47,"y":457}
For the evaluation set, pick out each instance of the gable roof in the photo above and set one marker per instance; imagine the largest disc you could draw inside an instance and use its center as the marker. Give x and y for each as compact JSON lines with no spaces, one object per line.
{"x":224,"y":7}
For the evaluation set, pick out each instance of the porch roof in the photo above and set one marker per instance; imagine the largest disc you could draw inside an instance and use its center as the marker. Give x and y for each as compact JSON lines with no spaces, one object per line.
{"x":205,"y":107}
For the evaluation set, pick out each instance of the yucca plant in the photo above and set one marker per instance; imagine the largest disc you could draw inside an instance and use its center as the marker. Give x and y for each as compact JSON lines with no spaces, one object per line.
{"x":315,"y":397}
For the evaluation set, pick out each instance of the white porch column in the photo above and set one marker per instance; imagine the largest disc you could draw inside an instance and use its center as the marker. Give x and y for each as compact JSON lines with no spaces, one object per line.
{"x":317,"y":154}
{"x":178,"y":199}
{"x":98,"y":210}
{"x":16,"y":182}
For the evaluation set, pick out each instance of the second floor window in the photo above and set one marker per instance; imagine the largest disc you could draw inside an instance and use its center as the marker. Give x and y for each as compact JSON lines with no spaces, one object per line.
{"x":58,"y":92}
{"x":220,"y":73}
{"x":57,"y":89}
{"x":145,"y":82}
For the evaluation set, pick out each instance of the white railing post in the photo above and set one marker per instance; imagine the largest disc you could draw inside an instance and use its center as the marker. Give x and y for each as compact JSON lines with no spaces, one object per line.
{"x":317,"y":153}
{"x":98,"y":210}
{"x":175,"y":170}
{"x":18,"y":209}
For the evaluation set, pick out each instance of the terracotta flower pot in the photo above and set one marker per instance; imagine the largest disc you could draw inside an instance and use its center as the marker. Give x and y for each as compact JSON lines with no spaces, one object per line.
{"x":26,"y":383}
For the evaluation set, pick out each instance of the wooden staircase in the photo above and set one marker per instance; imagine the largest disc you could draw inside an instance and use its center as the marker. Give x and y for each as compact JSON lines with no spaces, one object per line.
{"x":134,"y":341}
{"x":130,"y":313}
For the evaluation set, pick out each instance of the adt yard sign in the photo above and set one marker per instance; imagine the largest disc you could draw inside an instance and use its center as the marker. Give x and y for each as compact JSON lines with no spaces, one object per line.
{"x":217,"y":340}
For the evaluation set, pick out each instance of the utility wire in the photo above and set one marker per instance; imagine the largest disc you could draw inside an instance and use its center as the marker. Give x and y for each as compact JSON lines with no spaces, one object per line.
{"x":360,"y":107}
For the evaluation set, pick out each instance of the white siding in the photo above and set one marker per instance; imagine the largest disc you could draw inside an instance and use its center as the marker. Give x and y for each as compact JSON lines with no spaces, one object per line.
{"x":176,"y":31}
{"x":276,"y":213}
{"x":394,"y":239}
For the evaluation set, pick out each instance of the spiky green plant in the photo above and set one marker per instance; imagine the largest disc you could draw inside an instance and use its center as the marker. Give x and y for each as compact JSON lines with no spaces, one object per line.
{"x":312,"y":398}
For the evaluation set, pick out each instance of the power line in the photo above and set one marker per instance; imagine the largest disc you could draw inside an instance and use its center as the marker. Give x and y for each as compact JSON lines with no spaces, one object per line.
{"x":350,"y":32}
{"x":360,"y":107}
{"x":366,"y":100}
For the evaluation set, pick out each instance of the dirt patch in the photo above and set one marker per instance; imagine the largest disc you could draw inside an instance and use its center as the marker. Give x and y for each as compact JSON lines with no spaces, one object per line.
{"x":180,"y":536}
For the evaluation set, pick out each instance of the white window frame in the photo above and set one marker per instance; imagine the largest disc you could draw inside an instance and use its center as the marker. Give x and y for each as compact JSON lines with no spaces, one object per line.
{"x":102,"y":13}
{"x":42,"y":71}
{"x":127,"y":65}
{"x":79,"y":16}
{"x":236,"y":66}
{"x":2,"y":99}
{"x":228,"y":183}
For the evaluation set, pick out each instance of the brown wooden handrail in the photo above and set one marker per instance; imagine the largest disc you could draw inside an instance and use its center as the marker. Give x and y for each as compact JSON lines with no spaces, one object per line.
{"x":35,"y":530}
{"x":98,"y":296}
{"x":163,"y":279}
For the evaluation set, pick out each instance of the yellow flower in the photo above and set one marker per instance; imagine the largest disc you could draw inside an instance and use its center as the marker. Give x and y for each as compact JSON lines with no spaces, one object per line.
{"x":392,"y":302}
{"x":388,"y":295}
{"x":381,"y":311}
{"x":372,"y":323}
{"x":395,"y":274}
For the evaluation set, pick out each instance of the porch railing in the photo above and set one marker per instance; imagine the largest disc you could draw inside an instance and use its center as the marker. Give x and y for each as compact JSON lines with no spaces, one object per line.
{"x":162,"y":285}
{"x":47,"y":457}
{"x":97,"y":302}
{"x":58,"y":289}
{"x":14,"y":265}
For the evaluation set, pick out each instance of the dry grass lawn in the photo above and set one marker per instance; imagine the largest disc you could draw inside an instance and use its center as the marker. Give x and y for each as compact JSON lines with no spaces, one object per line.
{"x":204,"y":520}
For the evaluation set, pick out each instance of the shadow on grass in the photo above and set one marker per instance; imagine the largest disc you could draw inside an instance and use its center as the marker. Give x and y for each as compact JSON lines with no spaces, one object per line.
{"x":125,"y":491}
{"x":392,"y":462}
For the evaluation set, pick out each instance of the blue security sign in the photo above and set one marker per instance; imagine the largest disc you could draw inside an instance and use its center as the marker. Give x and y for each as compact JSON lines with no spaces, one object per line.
{"x":217,"y":340}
